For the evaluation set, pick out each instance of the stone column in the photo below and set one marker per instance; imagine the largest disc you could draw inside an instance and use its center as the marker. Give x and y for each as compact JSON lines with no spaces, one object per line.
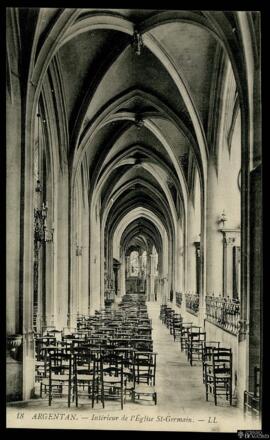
{"x":84,"y":260}
{"x":213,"y":254}
{"x":78,"y":266}
{"x":197,"y":245}
{"x":95,"y":298}
{"x":140,"y":266}
{"x":128,"y":266}
{"x":62,"y":243}
{"x":164,"y":289}
{"x":158,"y":287}
{"x":116,"y":267}
{"x":14,"y":302}
{"x":73,"y":242}
{"x":256,"y":267}
{"x":201,"y":314}
{"x":115,"y":281}
{"x":191,"y":268}
{"x":147,"y":291}
{"x":50,"y":303}
{"x":148,"y":263}
{"x":123,"y":275}
{"x":231,"y":237}
{"x":152,"y":278}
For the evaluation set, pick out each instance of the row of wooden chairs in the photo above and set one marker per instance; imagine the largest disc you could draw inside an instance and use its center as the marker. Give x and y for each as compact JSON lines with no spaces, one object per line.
{"x":87,"y":374}
{"x":216,"y":361}
{"x":142,"y":343}
{"x":124,"y":334}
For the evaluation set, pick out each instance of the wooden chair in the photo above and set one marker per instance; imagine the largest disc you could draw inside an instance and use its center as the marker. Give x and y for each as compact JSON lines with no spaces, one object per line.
{"x":40,"y":343}
{"x":162,"y":313}
{"x":59,"y":377}
{"x":207,"y":350}
{"x":42,"y":367}
{"x":86,"y":369}
{"x":111,"y":379}
{"x":196,"y":339}
{"x":169,"y":317}
{"x":171,"y":321}
{"x":144,"y":376}
{"x":185,"y":328}
{"x":177,"y":327}
{"x":218,"y":378}
{"x":127,"y":354}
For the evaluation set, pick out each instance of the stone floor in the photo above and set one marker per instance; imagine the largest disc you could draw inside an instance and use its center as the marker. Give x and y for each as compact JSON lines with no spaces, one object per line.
{"x":181,"y":404}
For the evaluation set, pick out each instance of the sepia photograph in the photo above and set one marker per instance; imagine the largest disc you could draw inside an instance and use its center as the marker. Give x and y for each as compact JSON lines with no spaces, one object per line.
{"x":134,"y":220}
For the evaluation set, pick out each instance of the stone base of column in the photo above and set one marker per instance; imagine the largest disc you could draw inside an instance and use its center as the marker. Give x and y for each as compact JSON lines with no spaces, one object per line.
{"x":14,"y":368}
{"x":28,"y":365}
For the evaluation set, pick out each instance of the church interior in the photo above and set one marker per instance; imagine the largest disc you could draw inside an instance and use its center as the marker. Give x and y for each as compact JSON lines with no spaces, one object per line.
{"x":133,"y":198}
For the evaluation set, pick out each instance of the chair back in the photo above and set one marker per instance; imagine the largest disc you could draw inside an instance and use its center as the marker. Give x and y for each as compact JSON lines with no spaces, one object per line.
{"x":111,"y":366}
{"x":145,"y":367}
{"x":60,"y":364}
{"x":86,"y":362}
{"x":222,"y":360}
{"x":142,"y":344}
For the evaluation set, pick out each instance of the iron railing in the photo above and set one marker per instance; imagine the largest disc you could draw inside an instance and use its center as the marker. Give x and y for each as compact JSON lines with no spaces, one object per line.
{"x":224,"y":312}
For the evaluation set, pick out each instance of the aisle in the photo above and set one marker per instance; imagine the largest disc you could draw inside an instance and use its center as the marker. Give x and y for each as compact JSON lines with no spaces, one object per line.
{"x":180,"y":388}
{"x":179,"y":385}
{"x":181,"y":404}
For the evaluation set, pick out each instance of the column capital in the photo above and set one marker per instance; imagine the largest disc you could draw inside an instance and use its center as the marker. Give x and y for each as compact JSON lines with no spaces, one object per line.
{"x":231,"y":237}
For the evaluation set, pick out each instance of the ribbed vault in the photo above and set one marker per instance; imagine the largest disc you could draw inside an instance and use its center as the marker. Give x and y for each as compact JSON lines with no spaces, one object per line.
{"x":136,"y":93}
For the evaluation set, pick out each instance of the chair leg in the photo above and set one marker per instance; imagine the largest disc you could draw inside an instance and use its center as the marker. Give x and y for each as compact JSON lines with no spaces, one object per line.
{"x":93,"y":401}
{"x":94,"y":390}
{"x":102,"y":396}
{"x":50,"y":395}
{"x":69,"y":394}
{"x":215,"y":393}
{"x":76,"y":393}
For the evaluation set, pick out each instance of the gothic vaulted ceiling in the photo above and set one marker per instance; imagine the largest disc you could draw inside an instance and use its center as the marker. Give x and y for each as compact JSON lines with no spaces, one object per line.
{"x":137,"y":92}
